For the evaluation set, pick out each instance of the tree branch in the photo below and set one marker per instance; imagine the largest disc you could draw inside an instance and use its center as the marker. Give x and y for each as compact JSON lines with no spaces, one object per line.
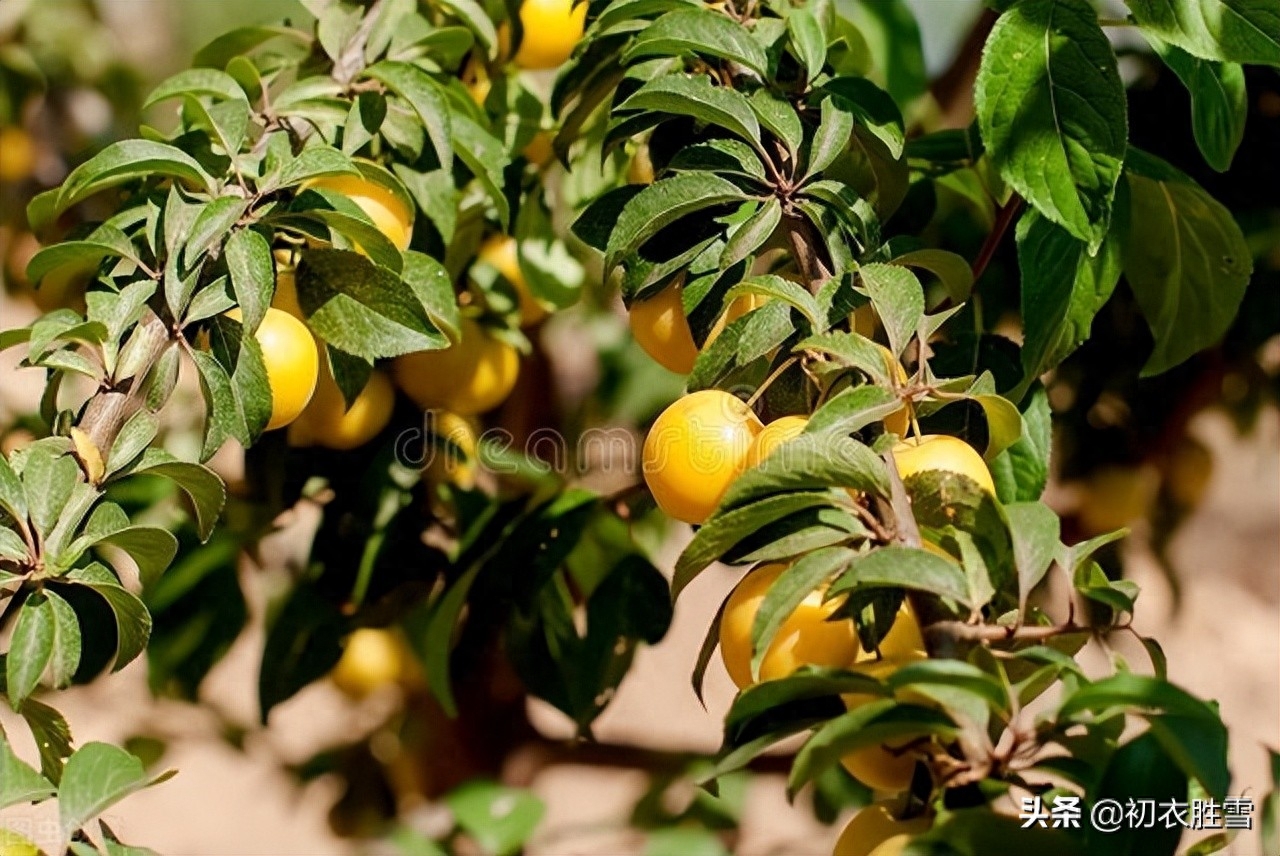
{"x":1004,"y":217}
{"x":959,"y":631}
{"x":804,"y":247}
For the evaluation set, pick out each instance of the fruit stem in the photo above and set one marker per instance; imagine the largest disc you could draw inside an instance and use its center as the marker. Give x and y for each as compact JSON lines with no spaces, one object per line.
{"x":786,"y":364}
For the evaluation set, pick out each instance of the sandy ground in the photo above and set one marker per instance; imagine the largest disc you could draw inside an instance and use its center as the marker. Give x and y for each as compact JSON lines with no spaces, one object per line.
{"x":1223,"y":644}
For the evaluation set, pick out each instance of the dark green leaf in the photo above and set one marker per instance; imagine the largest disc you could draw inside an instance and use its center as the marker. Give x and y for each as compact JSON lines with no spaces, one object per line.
{"x":726,"y":528}
{"x":1139,"y":770}
{"x":365,"y":310}
{"x":693,"y":95}
{"x":661,"y":204}
{"x":808,"y":41}
{"x":1185,"y":259}
{"x":201,"y":484}
{"x":906,"y":567}
{"x":701,"y":31}
{"x":1219,"y":101}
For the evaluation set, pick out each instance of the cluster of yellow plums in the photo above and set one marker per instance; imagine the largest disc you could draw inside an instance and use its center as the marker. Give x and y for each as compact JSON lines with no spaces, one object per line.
{"x":695,"y":450}
{"x":473,"y":375}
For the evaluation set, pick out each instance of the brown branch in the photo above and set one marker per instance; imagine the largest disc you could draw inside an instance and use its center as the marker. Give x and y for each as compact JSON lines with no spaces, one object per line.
{"x":351,"y":62}
{"x":959,"y":631}
{"x":1004,"y":217}
{"x":804,"y":247}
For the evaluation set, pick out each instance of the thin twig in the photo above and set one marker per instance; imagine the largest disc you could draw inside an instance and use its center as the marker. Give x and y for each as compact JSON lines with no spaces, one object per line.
{"x":777,"y":373}
{"x":959,"y":631}
{"x":1004,"y":218}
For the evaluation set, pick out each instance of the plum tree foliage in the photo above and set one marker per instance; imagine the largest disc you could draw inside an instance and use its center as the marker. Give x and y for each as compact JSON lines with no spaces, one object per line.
{"x":348,"y":175}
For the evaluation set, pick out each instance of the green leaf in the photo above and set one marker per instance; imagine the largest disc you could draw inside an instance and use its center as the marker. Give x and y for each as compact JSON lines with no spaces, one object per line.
{"x":242,"y":40}
{"x":134,"y":437}
{"x":19,"y":783}
{"x":773,"y":286}
{"x":1022,"y":471}
{"x":797,"y":582}
{"x":252,"y":275}
{"x":13,"y":499}
{"x":874,"y":110}
{"x":808,"y":41}
{"x":499,"y":819}
{"x":438,"y":639}
{"x":1034,"y":529}
{"x":683,"y":841}
{"x":870,"y":724}
{"x":1246,"y":31}
{"x":151,"y":548}
{"x":701,"y":31}
{"x":315,"y":162}
{"x":1219,"y":101}
{"x":424,"y":95}
{"x":1004,"y":423}
{"x":133,"y":621}
{"x":46,"y":637}
{"x":223,"y":417}
{"x":756,"y":707}
{"x":240,"y":355}
{"x":778,"y":117}
{"x":206,"y":82}
{"x":693,"y":95}
{"x":726,"y":528}
{"x":983,"y":832}
{"x":365,"y":310}
{"x":832,"y":136}
{"x":96,"y":777}
{"x":201,"y":484}
{"x":483,"y":155}
{"x":12,"y":547}
{"x":1139,"y":770}
{"x":661,"y":204}
{"x":1271,"y":807}
{"x":853,"y":409}
{"x":116,"y":164}
{"x":898,"y":299}
{"x":86,"y":255}
{"x":952,"y":270}
{"x":1063,"y":287}
{"x":905,"y":567}
{"x":48,"y":477}
{"x":211,"y":226}
{"x":892,"y":34}
{"x":52,"y":737}
{"x":1185,"y":259}
{"x":812,"y":462}
{"x":1051,"y":107}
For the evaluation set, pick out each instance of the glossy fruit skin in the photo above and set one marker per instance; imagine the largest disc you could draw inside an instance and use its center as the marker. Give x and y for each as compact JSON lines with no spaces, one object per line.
{"x":776,"y":433}
{"x":293,"y":364}
{"x":471,"y":376}
{"x":371,"y":659}
{"x":502,"y":252}
{"x":878,"y":767}
{"x":329,"y":423}
{"x":552,"y":29}
{"x":640,"y":170}
{"x":695,"y":450}
{"x":17,"y":154}
{"x":805,"y":637}
{"x":382,"y":206}
{"x":905,"y":641}
{"x":895,"y":846}
{"x":874,"y":826}
{"x":286,"y":294}
{"x":942,"y":452}
{"x":447,"y":466}
{"x":661,"y":329}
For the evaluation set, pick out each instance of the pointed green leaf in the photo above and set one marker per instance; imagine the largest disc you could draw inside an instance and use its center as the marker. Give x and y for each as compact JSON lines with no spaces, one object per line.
{"x":96,"y":777}
{"x":1051,"y":107}
{"x":1245,"y":31}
